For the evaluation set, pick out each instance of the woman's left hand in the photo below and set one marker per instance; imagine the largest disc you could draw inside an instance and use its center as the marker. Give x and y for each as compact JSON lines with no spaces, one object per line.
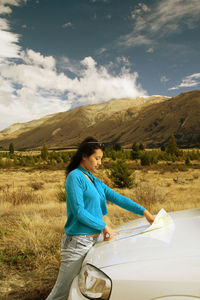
{"x":150,"y":218}
{"x":109,"y":233}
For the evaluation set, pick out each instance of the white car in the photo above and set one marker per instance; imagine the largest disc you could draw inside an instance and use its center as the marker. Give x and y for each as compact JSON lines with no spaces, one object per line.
{"x":155,"y":264}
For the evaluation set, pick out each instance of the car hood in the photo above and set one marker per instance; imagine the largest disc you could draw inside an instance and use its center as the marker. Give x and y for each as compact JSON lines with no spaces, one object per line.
{"x":170,"y":243}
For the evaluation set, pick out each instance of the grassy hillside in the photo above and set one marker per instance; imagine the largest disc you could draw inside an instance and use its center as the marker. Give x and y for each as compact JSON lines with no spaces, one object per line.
{"x":148,"y":120}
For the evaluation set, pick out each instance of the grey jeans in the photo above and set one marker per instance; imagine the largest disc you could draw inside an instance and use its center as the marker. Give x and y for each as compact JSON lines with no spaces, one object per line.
{"x":73,"y":251}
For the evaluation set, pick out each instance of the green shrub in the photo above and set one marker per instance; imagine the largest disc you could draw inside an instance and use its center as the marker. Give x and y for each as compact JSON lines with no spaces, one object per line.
{"x":148,"y":158}
{"x":162,"y":148}
{"x":65,"y":157}
{"x":121,"y":174}
{"x":11,"y":148}
{"x":187,"y":161}
{"x":44,"y":152}
{"x":141,"y":147}
{"x":135,"y":153}
{"x":117,"y":147}
{"x":172,"y":146}
{"x":145,"y":159}
{"x":20,"y":259}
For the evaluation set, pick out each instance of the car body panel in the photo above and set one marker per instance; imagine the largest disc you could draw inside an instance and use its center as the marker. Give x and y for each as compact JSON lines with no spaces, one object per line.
{"x":153,"y":264}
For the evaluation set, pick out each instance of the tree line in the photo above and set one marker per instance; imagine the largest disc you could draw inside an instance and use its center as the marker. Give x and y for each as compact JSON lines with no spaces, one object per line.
{"x":146,"y":157}
{"x":43,"y":159}
{"x":119,"y":169}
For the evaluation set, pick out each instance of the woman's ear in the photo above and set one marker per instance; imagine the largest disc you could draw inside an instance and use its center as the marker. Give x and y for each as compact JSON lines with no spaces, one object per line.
{"x":84,"y":157}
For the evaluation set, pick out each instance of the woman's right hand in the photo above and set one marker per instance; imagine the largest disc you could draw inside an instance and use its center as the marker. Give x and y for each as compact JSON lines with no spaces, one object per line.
{"x":108,"y":233}
{"x":150,"y":218}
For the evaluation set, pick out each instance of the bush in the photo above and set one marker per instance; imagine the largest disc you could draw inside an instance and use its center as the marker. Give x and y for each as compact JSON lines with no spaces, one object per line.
{"x":141,"y":147}
{"x":11,"y":148}
{"x":187,"y":161}
{"x":36,"y":185}
{"x":135,"y":153}
{"x":148,"y":158}
{"x":172,"y":146}
{"x":162,"y":148}
{"x":117,"y":147}
{"x":121,"y":174}
{"x":145,"y":159}
{"x":115,"y":154}
{"x":148,"y":196}
{"x":6,"y":163}
{"x":65,"y":157}
{"x":44,"y":152}
{"x":20,"y":259}
{"x":193,"y":155}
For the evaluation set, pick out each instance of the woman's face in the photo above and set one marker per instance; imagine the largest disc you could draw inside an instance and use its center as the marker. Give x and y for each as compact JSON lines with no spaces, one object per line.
{"x":92,"y":162}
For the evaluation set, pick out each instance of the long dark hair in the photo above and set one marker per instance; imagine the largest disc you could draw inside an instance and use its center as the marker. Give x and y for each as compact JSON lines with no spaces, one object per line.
{"x":87,"y":148}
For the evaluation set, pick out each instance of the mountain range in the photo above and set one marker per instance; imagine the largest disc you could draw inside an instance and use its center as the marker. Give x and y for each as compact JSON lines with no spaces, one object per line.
{"x":150,"y":120}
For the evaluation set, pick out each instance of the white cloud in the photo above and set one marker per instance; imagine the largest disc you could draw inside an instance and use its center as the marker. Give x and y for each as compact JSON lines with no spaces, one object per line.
{"x":20,"y":110}
{"x":164,"y":79}
{"x":35,"y":58}
{"x":5,"y":10}
{"x":32,"y":89}
{"x":68,"y":24}
{"x":94,"y":1}
{"x":101,"y":51}
{"x":9,"y":41}
{"x":4,"y":5}
{"x":170,"y":15}
{"x":188,"y":81}
{"x":123,"y":61}
{"x":150,"y":50}
{"x":66,"y":64}
{"x":139,"y":9}
{"x":134,"y":40}
{"x":166,"y":17}
{"x":35,"y":77}
{"x":97,"y":84}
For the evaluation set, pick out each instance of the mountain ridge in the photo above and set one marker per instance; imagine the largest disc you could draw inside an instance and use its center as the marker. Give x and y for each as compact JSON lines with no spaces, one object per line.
{"x":149,"y":120}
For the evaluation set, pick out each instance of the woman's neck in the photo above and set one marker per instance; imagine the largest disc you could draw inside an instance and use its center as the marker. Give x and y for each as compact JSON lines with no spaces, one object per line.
{"x":84,"y":167}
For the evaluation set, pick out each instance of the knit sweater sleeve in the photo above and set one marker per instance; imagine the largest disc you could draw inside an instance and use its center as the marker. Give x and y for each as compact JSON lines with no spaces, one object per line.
{"x":122,"y":201}
{"x":74,"y":192}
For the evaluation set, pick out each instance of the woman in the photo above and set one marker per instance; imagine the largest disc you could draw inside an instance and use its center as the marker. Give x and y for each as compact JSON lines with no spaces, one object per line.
{"x":86,"y":205}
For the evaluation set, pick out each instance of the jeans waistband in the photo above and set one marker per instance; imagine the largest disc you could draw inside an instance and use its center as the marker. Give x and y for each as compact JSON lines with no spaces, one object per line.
{"x":92,"y":238}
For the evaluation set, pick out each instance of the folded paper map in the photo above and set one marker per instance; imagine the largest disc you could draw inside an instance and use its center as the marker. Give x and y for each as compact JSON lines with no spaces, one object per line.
{"x":162,"y":228}
{"x":161,"y":220}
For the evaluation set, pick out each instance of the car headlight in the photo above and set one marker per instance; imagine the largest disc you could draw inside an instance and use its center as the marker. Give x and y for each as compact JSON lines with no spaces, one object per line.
{"x":93,"y":283}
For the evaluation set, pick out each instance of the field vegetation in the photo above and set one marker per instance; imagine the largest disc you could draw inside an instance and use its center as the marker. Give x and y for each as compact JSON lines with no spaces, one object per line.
{"x":33,"y":208}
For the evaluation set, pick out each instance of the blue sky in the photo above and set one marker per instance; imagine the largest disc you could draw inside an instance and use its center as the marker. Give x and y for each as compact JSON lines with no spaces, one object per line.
{"x":57,"y":55}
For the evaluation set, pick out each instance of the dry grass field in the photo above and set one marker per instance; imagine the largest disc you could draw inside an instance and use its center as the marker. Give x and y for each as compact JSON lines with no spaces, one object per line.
{"x":33,"y":217}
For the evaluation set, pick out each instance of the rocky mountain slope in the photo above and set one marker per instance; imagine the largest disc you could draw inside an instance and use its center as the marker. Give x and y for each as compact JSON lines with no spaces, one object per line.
{"x":149,"y":120}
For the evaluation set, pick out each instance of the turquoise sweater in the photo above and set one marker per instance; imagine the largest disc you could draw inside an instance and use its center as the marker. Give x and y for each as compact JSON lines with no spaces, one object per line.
{"x":86,"y":203}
